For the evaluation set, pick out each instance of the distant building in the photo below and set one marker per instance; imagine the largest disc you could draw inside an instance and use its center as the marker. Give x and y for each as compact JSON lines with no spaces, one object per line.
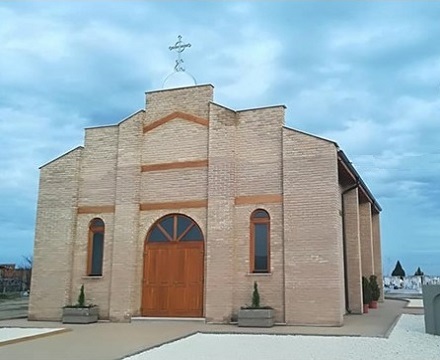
{"x":181,"y":207}
{"x":14,"y":279}
{"x":6,"y":270}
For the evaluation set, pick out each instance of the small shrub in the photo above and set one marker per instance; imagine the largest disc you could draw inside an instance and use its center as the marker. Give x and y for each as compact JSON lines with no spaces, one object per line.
{"x":366,"y":291}
{"x":375,"y":290}
{"x":81,"y":297}
{"x":255,"y":297}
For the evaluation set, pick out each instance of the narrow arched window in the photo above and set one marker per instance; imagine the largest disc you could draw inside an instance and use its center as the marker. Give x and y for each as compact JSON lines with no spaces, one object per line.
{"x":95,"y":248}
{"x":260,"y":241}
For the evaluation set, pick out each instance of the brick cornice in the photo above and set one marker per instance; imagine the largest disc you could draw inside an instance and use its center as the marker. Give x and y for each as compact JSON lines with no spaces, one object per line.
{"x":176,"y":115}
{"x":259,"y":199}
{"x":174,"y":205}
{"x":175,"y":165}
{"x":104,"y":209}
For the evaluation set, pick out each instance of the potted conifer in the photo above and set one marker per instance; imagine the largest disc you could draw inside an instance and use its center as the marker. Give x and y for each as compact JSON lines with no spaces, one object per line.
{"x":366,"y":294}
{"x":256,"y":315}
{"x":80,"y":313}
{"x":375,"y":292}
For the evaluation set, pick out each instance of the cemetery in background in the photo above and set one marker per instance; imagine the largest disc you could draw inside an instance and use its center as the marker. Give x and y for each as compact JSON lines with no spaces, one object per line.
{"x":410,"y":285}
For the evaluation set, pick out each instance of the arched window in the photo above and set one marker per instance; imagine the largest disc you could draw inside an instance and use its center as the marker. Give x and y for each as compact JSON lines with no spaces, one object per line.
{"x":260,"y":241}
{"x":174,"y":228}
{"x":95,"y":248}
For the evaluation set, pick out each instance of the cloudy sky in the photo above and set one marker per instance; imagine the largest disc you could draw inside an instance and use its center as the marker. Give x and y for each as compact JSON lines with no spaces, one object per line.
{"x":365,"y":74}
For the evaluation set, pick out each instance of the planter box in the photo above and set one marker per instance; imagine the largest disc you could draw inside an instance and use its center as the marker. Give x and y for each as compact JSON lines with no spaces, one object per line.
{"x":373,"y":304}
{"x":255,"y":317}
{"x":431,"y":304}
{"x":87,"y":315}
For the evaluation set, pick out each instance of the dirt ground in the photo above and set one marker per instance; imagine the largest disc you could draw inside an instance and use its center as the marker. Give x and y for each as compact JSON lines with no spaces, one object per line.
{"x":13,"y":308}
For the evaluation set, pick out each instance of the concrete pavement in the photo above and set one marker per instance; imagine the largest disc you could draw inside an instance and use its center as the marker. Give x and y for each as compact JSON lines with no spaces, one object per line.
{"x":106,"y":340}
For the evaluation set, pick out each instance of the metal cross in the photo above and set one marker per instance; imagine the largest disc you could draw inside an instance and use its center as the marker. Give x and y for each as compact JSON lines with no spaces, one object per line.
{"x":179,"y":46}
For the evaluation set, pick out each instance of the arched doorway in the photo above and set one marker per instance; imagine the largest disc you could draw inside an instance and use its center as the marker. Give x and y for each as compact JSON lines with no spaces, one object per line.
{"x":173,"y":268}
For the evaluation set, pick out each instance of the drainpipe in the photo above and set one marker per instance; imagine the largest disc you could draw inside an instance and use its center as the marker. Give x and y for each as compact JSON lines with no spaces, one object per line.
{"x":344,"y":246}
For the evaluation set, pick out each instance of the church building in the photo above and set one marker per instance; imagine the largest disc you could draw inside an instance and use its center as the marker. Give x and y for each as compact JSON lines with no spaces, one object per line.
{"x":178,"y":209}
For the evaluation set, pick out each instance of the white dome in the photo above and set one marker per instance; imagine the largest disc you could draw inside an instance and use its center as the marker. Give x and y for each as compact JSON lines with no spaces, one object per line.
{"x":179,"y":79}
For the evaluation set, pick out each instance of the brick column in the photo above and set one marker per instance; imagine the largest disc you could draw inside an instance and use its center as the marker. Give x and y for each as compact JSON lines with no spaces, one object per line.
{"x":126,"y":225}
{"x":377,"y":252}
{"x":220,"y":224}
{"x":366,"y":232}
{"x":353,"y":251}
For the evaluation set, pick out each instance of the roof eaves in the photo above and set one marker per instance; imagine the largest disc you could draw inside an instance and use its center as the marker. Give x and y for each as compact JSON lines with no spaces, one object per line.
{"x":179,"y":88}
{"x":348,"y":163}
{"x":263,"y":108}
{"x":130,"y":116}
{"x":222,"y":106}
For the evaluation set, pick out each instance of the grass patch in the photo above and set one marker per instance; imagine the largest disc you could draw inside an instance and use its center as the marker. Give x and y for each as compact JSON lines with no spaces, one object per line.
{"x":9,"y":296}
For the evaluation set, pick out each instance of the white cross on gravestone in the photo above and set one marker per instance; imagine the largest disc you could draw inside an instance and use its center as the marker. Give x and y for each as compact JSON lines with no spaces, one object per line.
{"x":179,"y":46}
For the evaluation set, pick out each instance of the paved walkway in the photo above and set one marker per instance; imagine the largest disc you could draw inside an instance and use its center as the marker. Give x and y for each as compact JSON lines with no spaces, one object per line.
{"x":14,"y":308}
{"x":415,"y":303}
{"x":116,"y":340}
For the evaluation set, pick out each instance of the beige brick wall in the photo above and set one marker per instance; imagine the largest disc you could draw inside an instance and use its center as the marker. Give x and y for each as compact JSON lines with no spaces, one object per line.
{"x":366,"y":233}
{"x":314,"y":280}
{"x":193,"y":100}
{"x":126,"y":225}
{"x":98,"y":168}
{"x":340,"y":243}
{"x":174,"y":185}
{"x":54,"y":237}
{"x":353,"y":250}
{"x":176,"y":140}
{"x":220,"y":232}
{"x":377,"y":251}
{"x":258,"y":151}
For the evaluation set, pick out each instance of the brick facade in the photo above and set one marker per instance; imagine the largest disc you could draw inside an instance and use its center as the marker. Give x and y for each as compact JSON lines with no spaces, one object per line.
{"x":185,"y":154}
{"x":353,"y":249}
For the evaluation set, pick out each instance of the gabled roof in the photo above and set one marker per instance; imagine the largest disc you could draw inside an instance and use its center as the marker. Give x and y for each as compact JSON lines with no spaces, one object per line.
{"x":312,"y":135}
{"x":59,"y":157}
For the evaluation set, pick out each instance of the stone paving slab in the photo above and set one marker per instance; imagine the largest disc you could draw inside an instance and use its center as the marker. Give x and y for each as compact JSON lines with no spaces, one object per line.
{"x":415,"y":303}
{"x":14,"y":335}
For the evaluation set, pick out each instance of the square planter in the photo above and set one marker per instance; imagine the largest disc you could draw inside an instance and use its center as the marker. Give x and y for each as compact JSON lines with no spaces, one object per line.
{"x":372,"y":304}
{"x":431,"y":304}
{"x":256,"y":317}
{"x":78,"y":315}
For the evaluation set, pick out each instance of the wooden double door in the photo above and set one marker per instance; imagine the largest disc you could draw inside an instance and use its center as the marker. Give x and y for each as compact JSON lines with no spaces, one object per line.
{"x":173,"y":268}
